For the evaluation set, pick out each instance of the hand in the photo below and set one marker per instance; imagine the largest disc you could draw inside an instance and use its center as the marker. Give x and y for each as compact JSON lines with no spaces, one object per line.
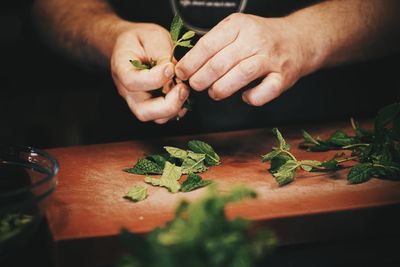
{"x":145,"y":42}
{"x":240,"y":49}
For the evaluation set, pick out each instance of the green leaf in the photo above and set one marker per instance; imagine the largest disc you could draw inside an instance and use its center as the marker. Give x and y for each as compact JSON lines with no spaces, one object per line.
{"x":286,"y":173}
{"x":145,"y":167}
{"x":188,"y":35}
{"x":139,"y":65}
{"x":309,"y":139}
{"x":270,"y":155}
{"x":169,"y":178}
{"x":388,"y":170}
{"x":307,"y":165}
{"x":176,"y":26}
{"x":282,"y":143}
{"x":136,"y":193}
{"x":201,"y":235}
{"x":185,"y":44}
{"x":341,"y":139}
{"x":159,"y":159}
{"x":12,"y":225}
{"x":176,"y":152}
{"x":386,"y":115}
{"x":332,"y":164}
{"x":194,"y":163}
{"x":197,"y":146}
{"x":360,"y":173}
{"x":278,"y":161}
{"x":193,"y":182}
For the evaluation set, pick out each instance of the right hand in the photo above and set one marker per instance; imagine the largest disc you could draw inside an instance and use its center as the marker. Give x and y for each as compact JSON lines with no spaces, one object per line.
{"x":145,"y":41}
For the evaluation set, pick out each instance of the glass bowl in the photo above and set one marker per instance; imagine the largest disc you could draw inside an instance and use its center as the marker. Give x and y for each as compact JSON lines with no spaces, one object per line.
{"x":27,"y":180}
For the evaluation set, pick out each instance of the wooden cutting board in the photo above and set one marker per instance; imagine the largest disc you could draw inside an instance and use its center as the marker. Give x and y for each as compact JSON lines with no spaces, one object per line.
{"x":87,"y":211}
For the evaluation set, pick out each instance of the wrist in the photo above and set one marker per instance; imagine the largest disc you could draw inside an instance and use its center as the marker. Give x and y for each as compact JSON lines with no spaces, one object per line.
{"x":310,"y":45}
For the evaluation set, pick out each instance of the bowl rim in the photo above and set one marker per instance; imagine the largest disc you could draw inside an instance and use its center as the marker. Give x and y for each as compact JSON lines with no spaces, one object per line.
{"x":50,"y":174}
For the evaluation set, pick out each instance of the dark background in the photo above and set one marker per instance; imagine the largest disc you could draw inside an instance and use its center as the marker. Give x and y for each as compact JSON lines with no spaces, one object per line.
{"x":47,"y":100}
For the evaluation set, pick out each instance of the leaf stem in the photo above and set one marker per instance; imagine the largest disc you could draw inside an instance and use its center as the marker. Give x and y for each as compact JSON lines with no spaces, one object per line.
{"x":290,"y":154}
{"x":355,"y":145}
{"x":346,"y":159}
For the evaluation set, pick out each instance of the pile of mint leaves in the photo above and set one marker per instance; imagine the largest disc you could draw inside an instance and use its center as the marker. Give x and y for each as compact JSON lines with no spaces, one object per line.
{"x":376,"y":152}
{"x":172,"y":166}
{"x":200,"y":235}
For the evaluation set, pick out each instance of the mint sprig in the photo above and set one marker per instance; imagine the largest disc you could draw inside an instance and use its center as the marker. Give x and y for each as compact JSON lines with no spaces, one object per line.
{"x":200,"y":234}
{"x":376,"y":151}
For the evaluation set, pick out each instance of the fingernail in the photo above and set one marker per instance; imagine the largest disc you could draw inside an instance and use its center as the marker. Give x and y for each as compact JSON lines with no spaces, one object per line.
{"x":180,"y":74}
{"x":183,"y":93}
{"x":169,"y":71}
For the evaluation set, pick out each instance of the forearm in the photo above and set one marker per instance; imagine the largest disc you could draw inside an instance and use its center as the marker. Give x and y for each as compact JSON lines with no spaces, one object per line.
{"x":340,"y":31}
{"x":85,"y":29}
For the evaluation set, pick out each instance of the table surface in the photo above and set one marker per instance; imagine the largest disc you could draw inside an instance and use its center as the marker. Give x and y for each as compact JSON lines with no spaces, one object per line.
{"x":89,"y":203}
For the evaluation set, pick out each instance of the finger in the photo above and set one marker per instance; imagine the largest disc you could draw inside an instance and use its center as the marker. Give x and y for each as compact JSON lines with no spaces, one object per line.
{"x":270,"y":88}
{"x":139,"y":80}
{"x":180,"y":115}
{"x":215,"y":40}
{"x":218,"y":65}
{"x":157,"y":45}
{"x":160,"y":107}
{"x":168,"y":86}
{"x":239,"y":76}
{"x":145,"y":80}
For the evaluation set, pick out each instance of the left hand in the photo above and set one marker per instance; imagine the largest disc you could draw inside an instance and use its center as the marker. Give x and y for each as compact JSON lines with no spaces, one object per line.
{"x":242,"y":48}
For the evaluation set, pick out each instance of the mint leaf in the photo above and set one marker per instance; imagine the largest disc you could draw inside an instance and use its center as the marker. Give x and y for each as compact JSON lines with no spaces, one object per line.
{"x":136,"y":193}
{"x":282,"y":143}
{"x":145,"y":167}
{"x":360,"y":173}
{"x":176,"y":26}
{"x":12,"y":225}
{"x":185,"y":44}
{"x":193,"y":182}
{"x":269,"y":156}
{"x":309,"y":139}
{"x":340,"y":139}
{"x":169,"y":178}
{"x":386,"y":115}
{"x":278,"y":161}
{"x":198,"y":146}
{"x":193,"y":163}
{"x":307,"y":165}
{"x":138,"y":65}
{"x":188,"y":35}
{"x":201,"y":235}
{"x":176,"y":152}
{"x":286,"y":173}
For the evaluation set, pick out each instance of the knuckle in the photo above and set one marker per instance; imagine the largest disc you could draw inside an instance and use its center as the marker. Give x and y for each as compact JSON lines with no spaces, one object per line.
{"x":217,"y":67}
{"x":249,"y":70}
{"x":207,"y":43}
{"x":236,"y":16}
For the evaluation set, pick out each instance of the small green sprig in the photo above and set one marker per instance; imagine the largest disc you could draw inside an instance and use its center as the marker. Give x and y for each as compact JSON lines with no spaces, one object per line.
{"x":284,"y":164}
{"x":175,"y":30}
{"x":201,"y":235}
{"x":184,"y":41}
{"x":376,"y":151}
